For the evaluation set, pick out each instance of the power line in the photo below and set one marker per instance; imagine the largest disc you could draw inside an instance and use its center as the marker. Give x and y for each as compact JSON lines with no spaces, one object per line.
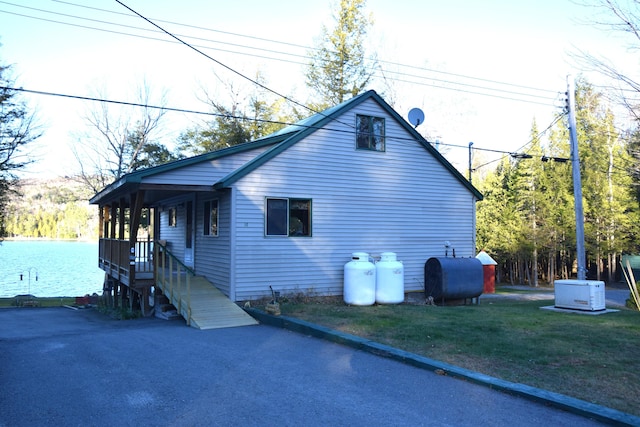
{"x":255,"y":82}
{"x":242,"y":75}
{"x":553,"y":122}
{"x":517,"y":154}
{"x":188,"y":25}
{"x":301,"y":56}
{"x":225,"y":116}
{"x":132,"y":27}
{"x":311,"y":48}
{"x":473,"y":86}
{"x":137,"y":104}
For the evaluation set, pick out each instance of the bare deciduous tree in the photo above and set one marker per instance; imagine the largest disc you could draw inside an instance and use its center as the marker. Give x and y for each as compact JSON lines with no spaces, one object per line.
{"x":120,"y":142}
{"x":620,"y":17}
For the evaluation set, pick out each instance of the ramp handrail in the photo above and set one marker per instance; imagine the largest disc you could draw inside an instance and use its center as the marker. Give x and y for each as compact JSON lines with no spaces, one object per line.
{"x":169,"y":269}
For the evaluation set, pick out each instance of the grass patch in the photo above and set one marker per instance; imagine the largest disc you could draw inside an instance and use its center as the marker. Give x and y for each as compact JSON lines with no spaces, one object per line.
{"x":594,"y":358}
{"x":119,"y":313}
{"x":26,"y":301}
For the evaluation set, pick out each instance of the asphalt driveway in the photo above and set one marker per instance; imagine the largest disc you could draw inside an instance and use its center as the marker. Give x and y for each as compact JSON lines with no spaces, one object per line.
{"x":63,"y":367}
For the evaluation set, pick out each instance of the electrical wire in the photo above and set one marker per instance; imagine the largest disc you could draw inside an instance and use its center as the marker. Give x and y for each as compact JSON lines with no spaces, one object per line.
{"x":299,"y":56}
{"x":186,"y":25}
{"x":137,"y":104}
{"x":352,"y":132}
{"x":255,"y":82}
{"x":227,"y":116}
{"x":517,"y":152}
{"x":132,"y":27}
{"x":308,"y":48}
{"x":179,"y":40}
{"x":553,"y":122}
{"x":305,"y":57}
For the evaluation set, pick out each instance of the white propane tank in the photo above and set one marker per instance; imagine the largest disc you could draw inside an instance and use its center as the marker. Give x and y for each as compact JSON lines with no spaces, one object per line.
{"x":389,"y":279}
{"x":359,"y":280}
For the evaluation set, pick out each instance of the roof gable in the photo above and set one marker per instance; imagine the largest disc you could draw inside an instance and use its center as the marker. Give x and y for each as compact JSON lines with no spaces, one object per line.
{"x":280,"y":141}
{"x":311,"y":124}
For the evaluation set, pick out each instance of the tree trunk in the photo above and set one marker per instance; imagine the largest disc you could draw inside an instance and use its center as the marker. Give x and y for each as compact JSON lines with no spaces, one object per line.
{"x":534,"y":267}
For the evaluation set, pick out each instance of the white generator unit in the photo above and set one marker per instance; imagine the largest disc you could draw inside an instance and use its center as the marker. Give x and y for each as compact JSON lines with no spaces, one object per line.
{"x":586,"y":295}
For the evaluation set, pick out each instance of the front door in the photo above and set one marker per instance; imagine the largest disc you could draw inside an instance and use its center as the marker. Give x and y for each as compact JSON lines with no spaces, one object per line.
{"x":189,"y":235}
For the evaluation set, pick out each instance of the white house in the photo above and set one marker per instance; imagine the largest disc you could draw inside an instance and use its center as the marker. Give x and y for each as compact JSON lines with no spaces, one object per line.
{"x":288,"y":210}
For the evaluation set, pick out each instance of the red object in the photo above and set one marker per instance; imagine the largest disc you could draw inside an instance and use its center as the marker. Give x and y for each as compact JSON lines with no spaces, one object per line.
{"x":82,"y":300}
{"x":489,"y":273}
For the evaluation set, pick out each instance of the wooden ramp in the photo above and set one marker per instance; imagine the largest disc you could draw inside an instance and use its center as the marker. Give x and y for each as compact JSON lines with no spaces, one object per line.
{"x":210,"y":308}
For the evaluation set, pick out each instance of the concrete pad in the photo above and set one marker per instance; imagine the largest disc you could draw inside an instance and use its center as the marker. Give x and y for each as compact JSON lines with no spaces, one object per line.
{"x":587,"y":312}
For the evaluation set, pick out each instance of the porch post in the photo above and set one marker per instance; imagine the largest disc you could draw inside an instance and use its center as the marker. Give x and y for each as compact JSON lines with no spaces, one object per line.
{"x":108,"y":227}
{"x":101,"y":221}
{"x":136,"y":201}
{"x":112,"y":220}
{"x":121,"y":218}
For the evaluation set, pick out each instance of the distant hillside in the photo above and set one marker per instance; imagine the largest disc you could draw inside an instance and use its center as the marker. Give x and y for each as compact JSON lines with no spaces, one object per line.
{"x":52,"y":208}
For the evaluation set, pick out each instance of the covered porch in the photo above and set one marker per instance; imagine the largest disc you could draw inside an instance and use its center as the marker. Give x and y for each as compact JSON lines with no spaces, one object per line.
{"x":129,"y":249}
{"x":127,"y":260}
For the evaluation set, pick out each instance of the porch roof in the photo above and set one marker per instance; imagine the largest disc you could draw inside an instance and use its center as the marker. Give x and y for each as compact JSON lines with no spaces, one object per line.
{"x":133,"y":181}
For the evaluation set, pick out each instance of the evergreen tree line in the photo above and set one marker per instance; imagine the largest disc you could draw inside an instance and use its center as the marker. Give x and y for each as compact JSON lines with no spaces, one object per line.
{"x":55,"y":209}
{"x":526,"y":221}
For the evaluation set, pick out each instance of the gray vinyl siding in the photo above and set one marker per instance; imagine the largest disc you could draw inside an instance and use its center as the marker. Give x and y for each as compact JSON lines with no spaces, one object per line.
{"x":204,"y":173}
{"x":402,"y":200}
{"x":212,"y":253}
{"x":174,"y":236}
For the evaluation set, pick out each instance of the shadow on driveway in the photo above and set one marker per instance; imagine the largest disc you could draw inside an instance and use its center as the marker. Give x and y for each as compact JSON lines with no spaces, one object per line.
{"x":65,"y":367}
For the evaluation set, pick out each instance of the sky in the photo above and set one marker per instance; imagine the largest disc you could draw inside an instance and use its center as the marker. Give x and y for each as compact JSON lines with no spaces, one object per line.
{"x":481,"y":72}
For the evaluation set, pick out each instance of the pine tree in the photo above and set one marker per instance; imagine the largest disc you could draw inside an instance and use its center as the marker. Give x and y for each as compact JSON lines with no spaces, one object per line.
{"x":559,"y":225}
{"x":243,"y":118}
{"x":607,"y":182}
{"x":529,"y":201}
{"x":339,"y":67}
{"x":17,"y":129}
{"x":498,"y":221}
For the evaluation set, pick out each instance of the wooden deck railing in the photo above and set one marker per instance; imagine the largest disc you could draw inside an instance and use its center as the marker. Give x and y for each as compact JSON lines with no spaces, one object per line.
{"x":114,"y":257}
{"x":174,"y":279}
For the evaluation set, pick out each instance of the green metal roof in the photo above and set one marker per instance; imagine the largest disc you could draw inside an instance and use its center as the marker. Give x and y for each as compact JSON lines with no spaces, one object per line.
{"x":137,"y":176}
{"x":280,"y":141}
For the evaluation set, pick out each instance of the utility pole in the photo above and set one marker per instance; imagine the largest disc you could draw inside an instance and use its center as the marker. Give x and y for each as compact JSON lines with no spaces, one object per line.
{"x":470,"y":158}
{"x":577,"y":182}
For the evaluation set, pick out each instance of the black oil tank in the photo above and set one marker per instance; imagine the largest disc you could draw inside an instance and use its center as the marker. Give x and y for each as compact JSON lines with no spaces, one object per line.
{"x":453,"y":278}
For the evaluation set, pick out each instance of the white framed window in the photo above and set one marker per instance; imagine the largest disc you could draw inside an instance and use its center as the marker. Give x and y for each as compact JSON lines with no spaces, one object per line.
{"x":210,"y":212}
{"x":287,"y":217}
{"x":370,"y":133}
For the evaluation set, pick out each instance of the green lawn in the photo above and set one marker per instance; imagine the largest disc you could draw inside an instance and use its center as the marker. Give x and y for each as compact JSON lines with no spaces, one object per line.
{"x":594,"y":358}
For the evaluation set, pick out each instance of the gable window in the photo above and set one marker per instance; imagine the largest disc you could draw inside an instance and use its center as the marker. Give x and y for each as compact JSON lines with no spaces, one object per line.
{"x":370,"y":133}
{"x":288,"y":217}
{"x":210,"y":218}
{"x":173,"y":217}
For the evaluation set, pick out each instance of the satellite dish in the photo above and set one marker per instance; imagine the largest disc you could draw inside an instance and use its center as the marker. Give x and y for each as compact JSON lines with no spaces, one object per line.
{"x":416,"y":117}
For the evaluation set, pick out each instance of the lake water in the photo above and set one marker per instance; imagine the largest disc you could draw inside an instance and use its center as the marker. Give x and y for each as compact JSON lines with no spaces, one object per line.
{"x":62,"y":268}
